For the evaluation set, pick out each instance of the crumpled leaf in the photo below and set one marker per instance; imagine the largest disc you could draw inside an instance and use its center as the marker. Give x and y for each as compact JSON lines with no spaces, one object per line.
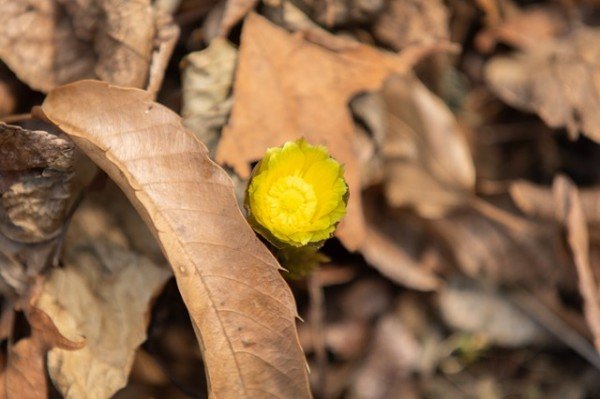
{"x":51,"y":42}
{"x":206,"y":80}
{"x":102,"y":294}
{"x":35,"y":171}
{"x":556,"y":79}
{"x":241,"y":309}
{"x":287,"y":87}
{"x":428,"y":163}
{"x":407,"y":22}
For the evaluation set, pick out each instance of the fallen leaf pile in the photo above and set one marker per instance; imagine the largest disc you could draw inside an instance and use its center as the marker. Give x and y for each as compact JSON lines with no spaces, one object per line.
{"x":467,"y":265}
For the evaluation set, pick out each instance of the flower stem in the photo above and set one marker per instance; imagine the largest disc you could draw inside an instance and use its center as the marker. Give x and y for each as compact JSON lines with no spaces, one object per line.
{"x":317,"y":322}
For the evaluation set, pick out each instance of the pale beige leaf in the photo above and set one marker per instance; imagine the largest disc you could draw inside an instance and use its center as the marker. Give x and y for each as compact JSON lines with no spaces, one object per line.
{"x":428,"y":161}
{"x":206,"y":84}
{"x":557,"y":79}
{"x":288,"y":87}
{"x":241,"y":308}
{"x":467,"y":306}
{"x":102,"y":294}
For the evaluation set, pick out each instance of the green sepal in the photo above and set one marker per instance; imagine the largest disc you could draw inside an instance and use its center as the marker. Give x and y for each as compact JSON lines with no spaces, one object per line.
{"x":300,"y":261}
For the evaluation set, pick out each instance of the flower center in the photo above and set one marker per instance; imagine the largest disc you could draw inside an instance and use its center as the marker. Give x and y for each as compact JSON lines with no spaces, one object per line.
{"x":292,"y":202}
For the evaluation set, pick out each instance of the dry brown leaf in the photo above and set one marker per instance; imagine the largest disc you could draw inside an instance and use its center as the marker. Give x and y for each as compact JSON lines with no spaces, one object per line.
{"x":393,"y":262}
{"x":484,"y":249}
{"x":167,"y":33}
{"x":556,"y":79}
{"x":395,"y":247}
{"x":287,"y":87}
{"x":364,"y":301}
{"x":51,"y":42}
{"x":523,"y":29}
{"x":570,"y":211}
{"x":408,"y":22}
{"x":103,"y":295}
{"x":289,"y":16}
{"x":206,"y":84}
{"x":25,"y":373}
{"x":241,"y":308}
{"x":393,"y":355}
{"x":427,"y":158}
{"x":331,"y":13}
{"x":537,"y":201}
{"x":8,"y":100}
{"x":25,"y":376}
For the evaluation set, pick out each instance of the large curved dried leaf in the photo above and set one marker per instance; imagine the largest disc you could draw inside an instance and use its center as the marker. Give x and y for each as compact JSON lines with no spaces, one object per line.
{"x":52,"y":42}
{"x":556,"y":79}
{"x":241,"y":309}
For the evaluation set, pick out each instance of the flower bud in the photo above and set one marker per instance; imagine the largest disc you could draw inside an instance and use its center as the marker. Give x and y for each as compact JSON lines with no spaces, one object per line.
{"x":297,"y":195}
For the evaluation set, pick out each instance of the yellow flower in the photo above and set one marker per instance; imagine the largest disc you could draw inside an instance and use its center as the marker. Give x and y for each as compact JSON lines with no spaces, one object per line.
{"x":297,"y":193}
